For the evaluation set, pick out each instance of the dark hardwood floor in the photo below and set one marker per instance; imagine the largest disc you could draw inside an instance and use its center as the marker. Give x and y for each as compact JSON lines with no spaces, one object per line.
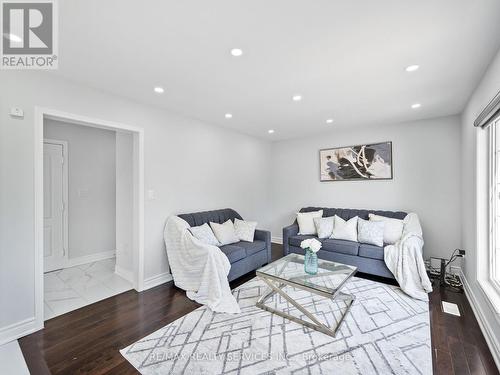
{"x":88,"y":340}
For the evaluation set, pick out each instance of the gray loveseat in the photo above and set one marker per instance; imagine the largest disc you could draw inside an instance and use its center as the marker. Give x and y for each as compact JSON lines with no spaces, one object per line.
{"x":243,"y":256}
{"x":368,"y":258}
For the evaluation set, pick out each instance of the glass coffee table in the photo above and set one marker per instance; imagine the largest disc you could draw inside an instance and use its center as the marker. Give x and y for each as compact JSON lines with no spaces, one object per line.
{"x":289,"y":272}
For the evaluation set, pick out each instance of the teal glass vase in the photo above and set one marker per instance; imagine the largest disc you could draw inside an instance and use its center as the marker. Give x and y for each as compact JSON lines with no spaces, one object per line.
{"x":311,"y":262}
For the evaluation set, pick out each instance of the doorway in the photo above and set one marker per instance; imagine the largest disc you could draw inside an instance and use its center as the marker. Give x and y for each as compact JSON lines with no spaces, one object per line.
{"x":74,"y":261}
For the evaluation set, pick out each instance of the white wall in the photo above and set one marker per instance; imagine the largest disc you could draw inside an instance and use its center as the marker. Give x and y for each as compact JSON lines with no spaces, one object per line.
{"x":124,"y":204}
{"x":191,"y":166}
{"x":486,"y":90}
{"x":91,"y":186}
{"x":426,"y":180}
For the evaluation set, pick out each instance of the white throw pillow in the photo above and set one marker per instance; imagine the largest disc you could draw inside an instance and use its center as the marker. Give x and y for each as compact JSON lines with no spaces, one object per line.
{"x":371,"y":232}
{"x":225,"y":232}
{"x":245,"y":230}
{"x":345,"y":230}
{"x":393,"y":228}
{"x":204,"y":234}
{"x":306,"y":221}
{"x":324,"y":226}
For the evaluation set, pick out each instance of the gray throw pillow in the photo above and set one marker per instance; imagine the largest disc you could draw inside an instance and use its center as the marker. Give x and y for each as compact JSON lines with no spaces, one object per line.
{"x":324,"y":226}
{"x":371,"y":232}
{"x":204,"y":234}
{"x":245,"y":230}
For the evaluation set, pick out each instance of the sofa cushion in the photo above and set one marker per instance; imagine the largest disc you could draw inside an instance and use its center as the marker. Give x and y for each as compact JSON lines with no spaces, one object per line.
{"x":324,"y":226}
{"x":306,"y":222}
{"x":216,"y":216}
{"x":251,"y":247}
{"x":245,"y":230}
{"x":346,"y":213}
{"x":393,"y":228}
{"x":345,"y":230}
{"x":371,"y":251}
{"x":296,"y":240}
{"x":234,"y":252}
{"x":371,"y":232}
{"x":225,"y":232}
{"x":341,"y":246}
{"x":205,"y":234}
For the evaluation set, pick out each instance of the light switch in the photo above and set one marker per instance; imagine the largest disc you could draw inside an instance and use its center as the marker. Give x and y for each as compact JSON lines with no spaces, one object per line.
{"x":151,"y":194}
{"x":83,"y":193}
{"x":17,"y":112}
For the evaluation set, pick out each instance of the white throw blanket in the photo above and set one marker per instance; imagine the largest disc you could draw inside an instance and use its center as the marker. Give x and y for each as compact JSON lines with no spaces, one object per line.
{"x":200,"y":269}
{"x":405,"y":260}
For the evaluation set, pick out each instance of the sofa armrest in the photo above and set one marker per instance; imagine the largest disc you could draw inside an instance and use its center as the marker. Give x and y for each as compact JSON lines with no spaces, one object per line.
{"x":291,"y":230}
{"x":264,"y":235}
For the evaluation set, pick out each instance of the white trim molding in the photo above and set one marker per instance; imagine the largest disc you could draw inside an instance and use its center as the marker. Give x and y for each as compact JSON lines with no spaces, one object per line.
{"x":153,"y":281}
{"x":91,"y":258}
{"x":486,"y":328}
{"x":276,"y":239}
{"x":124,"y":273}
{"x":18,"y":329}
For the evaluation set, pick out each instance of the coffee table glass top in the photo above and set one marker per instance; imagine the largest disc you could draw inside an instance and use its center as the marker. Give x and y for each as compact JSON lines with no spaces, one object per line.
{"x":330,"y":278}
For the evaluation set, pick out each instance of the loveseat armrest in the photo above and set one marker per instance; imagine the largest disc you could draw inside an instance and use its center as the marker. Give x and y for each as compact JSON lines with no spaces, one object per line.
{"x":264,"y":235}
{"x":291,"y":230}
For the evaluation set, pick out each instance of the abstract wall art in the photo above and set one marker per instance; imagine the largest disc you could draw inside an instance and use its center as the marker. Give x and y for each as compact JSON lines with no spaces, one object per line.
{"x":363,"y":162}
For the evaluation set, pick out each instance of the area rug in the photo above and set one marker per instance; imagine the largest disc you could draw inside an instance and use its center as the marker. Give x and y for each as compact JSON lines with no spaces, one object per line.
{"x":385,"y":332}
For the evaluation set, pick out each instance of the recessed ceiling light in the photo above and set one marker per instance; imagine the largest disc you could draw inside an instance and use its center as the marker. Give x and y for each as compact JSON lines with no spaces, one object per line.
{"x":159,"y":90}
{"x":236,"y":52}
{"x":329,"y":121}
{"x":14,"y":38}
{"x":228,"y":115}
{"x":297,"y":98}
{"x":270,"y":131}
{"x":412,"y":68}
{"x":416,"y":105}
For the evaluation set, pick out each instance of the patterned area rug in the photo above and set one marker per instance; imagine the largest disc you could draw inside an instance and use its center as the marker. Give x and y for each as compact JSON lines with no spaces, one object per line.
{"x":385,"y":332}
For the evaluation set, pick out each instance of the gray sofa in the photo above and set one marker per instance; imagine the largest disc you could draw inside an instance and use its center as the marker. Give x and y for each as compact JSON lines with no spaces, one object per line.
{"x":243,"y":256}
{"x":368,"y":258}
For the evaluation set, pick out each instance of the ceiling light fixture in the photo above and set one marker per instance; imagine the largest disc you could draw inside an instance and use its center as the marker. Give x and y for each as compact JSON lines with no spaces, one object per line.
{"x":236,"y":52}
{"x":228,"y":115}
{"x":270,"y":131}
{"x":416,"y":105}
{"x":329,"y":121}
{"x":297,"y":98}
{"x":412,"y":68}
{"x":159,"y":90}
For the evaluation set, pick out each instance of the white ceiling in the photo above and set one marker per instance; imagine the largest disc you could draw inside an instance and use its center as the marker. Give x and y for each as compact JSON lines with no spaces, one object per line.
{"x":345,"y":57}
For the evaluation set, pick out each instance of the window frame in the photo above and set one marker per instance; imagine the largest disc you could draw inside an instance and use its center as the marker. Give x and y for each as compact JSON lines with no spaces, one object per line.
{"x":488,"y":213}
{"x":493,"y":202}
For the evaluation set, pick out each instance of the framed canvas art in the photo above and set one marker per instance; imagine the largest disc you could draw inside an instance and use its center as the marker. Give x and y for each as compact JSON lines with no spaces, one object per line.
{"x":363,"y":162}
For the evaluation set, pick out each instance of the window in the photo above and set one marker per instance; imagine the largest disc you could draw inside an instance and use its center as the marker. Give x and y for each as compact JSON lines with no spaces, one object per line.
{"x":485,"y":226}
{"x":494,"y":203}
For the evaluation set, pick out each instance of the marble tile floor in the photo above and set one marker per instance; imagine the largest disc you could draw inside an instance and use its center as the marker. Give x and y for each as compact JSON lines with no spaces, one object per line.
{"x":71,"y":288}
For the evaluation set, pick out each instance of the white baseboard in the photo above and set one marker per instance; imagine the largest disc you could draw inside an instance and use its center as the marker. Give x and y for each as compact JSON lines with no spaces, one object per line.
{"x":124,"y":273}
{"x":151,"y":282}
{"x":14,"y":331}
{"x":96,"y":257}
{"x":491,"y":340}
{"x":278,"y":240}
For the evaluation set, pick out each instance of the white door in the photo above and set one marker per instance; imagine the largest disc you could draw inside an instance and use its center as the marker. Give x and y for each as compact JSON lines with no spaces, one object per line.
{"x":55,"y":255}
